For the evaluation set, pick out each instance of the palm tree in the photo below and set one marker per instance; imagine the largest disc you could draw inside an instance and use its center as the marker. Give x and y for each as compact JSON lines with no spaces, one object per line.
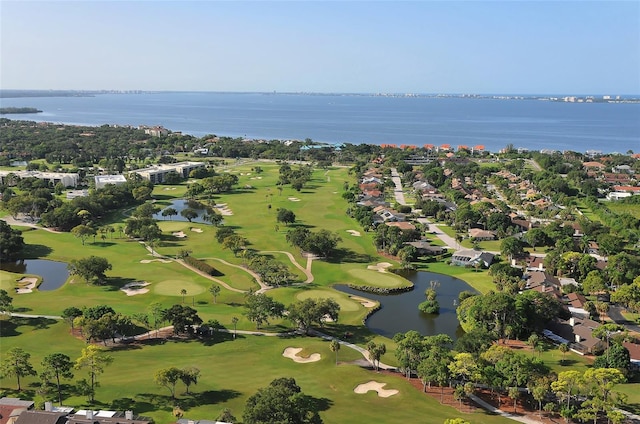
{"x":335,"y":347}
{"x":183,"y":292}
{"x":564,"y":348}
{"x":215,"y":291}
{"x":234,"y":320}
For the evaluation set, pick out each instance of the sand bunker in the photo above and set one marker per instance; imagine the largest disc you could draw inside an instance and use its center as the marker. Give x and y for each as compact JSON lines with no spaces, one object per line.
{"x":148,"y":261}
{"x":375,"y":386}
{"x":380,"y":267}
{"x":223,"y":209}
{"x":292,"y":353}
{"x":179,"y":234}
{"x":255,"y":178}
{"x":196,"y":230}
{"x":294,"y":199}
{"x":367,"y":303}
{"x":354,"y":233}
{"x":169,"y":188}
{"x":132,"y":289}
{"x":27,"y":285}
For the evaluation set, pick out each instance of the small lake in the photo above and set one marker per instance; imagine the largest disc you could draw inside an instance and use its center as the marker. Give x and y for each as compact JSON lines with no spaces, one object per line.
{"x":399,"y":313}
{"x":179,"y":205}
{"x":54,"y":274}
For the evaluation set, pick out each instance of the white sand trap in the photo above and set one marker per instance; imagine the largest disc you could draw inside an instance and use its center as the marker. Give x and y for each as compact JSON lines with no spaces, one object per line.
{"x":376,"y":387}
{"x":29,"y":285}
{"x":354,"y":233}
{"x":132,"y":289}
{"x":169,"y":188}
{"x":196,"y":230}
{"x":148,"y":261}
{"x":367,"y":303}
{"x":380,"y":267}
{"x":292,"y":353}
{"x":294,"y":199}
{"x":223,"y":209}
{"x":179,"y":234}
{"x":255,"y":178}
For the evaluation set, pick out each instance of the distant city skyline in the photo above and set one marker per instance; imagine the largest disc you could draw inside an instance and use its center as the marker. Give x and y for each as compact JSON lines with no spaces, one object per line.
{"x":484,"y":47}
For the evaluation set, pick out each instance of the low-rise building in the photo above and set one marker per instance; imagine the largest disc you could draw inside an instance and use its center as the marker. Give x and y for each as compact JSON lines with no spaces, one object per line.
{"x":157,"y":174}
{"x":67,"y":179}
{"x":103,"y":180}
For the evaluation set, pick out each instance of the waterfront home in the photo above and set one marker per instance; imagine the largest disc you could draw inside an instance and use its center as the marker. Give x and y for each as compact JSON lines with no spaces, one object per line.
{"x":468,"y":257}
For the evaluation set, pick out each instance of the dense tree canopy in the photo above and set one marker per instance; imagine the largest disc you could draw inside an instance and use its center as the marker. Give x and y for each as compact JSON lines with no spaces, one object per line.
{"x":282,"y":402}
{"x":11,"y":241}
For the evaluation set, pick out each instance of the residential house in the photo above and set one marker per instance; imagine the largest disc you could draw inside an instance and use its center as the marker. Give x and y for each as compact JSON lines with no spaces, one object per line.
{"x":11,"y":408}
{"x":404,"y":226}
{"x":481,"y":235}
{"x":577,"y":333}
{"x":467,"y":257}
{"x":576,"y":303}
{"x":424,"y":248}
{"x":634,"y":352}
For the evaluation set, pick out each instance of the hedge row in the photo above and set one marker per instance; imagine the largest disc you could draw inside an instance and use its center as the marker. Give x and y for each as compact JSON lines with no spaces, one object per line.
{"x":381,"y":290}
{"x":202,"y":266}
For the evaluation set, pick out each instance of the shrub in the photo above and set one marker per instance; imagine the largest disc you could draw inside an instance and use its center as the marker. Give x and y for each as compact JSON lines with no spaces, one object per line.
{"x":202,"y":266}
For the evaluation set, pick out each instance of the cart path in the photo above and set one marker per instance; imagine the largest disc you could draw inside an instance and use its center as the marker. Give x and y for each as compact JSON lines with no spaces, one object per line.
{"x":306,"y":270}
{"x":263,"y":287}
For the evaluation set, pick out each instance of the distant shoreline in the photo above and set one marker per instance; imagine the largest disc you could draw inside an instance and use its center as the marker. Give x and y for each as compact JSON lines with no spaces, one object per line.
{"x":18,"y":110}
{"x":568,"y":98}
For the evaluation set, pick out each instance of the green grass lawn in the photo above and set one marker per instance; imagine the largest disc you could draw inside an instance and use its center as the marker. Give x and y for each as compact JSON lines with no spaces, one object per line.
{"x":231,"y":371}
{"x":621,"y":208}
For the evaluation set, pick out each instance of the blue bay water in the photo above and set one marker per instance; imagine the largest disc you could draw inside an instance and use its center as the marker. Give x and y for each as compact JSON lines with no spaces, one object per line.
{"x":531,"y":124}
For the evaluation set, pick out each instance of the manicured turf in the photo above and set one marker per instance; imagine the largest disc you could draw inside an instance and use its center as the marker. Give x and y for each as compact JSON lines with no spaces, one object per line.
{"x":345,"y":303}
{"x":375,"y":278}
{"x":231,"y":370}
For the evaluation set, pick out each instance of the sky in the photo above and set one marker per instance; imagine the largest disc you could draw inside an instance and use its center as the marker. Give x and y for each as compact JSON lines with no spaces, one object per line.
{"x":481,"y":47}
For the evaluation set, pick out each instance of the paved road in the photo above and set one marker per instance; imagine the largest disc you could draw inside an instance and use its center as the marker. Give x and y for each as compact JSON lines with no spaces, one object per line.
{"x":397,"y":192}
{"x":615,"y":313}
{"x":433,"y":228}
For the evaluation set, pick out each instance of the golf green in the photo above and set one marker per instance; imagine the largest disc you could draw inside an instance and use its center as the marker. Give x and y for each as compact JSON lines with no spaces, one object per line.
{"x":174,"y":288}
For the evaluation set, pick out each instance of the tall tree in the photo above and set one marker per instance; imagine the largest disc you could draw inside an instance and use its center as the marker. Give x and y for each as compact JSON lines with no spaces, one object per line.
{"x":335,"y":347}
{"x":215,"y":291}
{"x":11,"y":241}
{"x":58,"y":365}
{"x":282,"y":402}
{"x":261,"y":307}
{"x":92,"y":269}
{"x":5,"y":301}
{"x":286,"y":216}
{"x":16,"y":364}
{"x":169,"y":377}
{"x":190,"y":376}
{"x":94,"y":360}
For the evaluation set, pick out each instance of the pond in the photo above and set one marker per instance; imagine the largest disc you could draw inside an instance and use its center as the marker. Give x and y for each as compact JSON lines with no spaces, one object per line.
{"x":179,"y":205}
{"x":54,"y":274}
{"x":399,"y":313}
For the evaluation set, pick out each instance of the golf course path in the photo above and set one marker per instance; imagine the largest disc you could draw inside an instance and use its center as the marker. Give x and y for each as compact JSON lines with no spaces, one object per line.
{"x":263,"y":287}
{"x":12,"y":314}
{"x":306,"y":271}
{"x":20,"y":222}
{"x":205,"y":275}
